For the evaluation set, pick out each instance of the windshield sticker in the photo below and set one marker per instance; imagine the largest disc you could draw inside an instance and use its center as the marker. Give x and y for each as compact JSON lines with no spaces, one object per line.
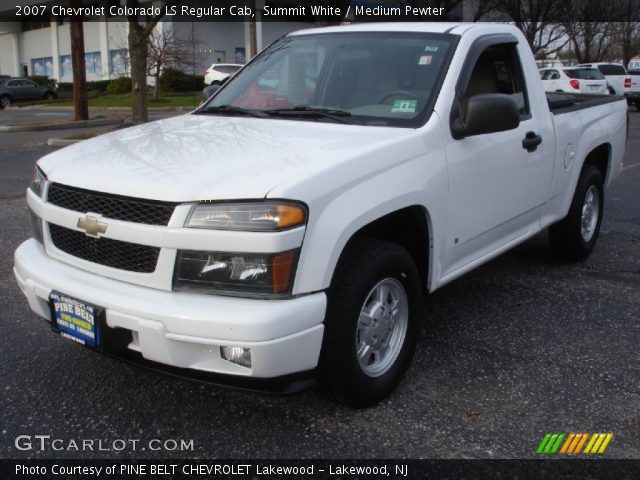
{"x":431,"y":48}
{"x":404,"y":106}
{"x":425,"y":60}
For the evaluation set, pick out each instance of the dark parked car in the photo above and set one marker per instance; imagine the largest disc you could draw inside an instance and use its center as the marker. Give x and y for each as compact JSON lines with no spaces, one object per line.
{"x":20,"y":90}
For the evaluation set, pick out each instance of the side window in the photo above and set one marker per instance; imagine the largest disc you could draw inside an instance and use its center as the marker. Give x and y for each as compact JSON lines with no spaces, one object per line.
{"x":544,"y":74}
{"x":498,"y":70}
{"x":13,"y":83}
{"x":554,"y":75}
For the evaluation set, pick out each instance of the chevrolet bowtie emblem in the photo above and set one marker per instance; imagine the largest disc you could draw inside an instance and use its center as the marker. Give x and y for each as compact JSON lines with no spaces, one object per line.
{"x":92,"y":226}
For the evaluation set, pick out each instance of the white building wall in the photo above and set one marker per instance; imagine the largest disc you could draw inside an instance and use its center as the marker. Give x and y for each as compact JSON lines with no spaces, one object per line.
{"x":35,"y":44}
{"x":9,"y":54}
{"x":98,"y":37}
{"x":217,"y":40}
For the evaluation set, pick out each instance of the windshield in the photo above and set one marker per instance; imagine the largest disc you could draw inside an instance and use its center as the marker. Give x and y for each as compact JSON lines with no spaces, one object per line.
{"x":388,"y":78}
{"x":585,"y":73}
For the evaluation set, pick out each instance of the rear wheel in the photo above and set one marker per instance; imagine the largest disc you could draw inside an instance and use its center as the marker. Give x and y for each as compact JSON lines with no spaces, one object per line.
{"x":371,"y":325}
{"x":5,"y":101}
{"x":611,"y":90}
{"x":49,"y":96}
{"x":574,"y":237}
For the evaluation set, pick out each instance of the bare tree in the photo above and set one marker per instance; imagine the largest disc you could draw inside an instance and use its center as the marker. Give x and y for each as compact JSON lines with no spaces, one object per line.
{"x":537,"y":19}
{"x":169,"y":49}
{"x":591,"y":35}
{"x":139,"y":32}
{"x":80,"y":101}
{"x":628,"y":35}
{"x":627,"y":29}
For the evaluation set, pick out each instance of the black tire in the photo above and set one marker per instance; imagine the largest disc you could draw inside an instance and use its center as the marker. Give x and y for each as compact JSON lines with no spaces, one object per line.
{"x":49,"y":96}
{"x":566,"y":237}
{"x":5,"y":101}
{"x":611,"y":91}
{"x":364,"y":266}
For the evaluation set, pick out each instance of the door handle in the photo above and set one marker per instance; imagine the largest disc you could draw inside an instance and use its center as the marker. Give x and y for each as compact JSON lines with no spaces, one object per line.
{"x":531,"y":141}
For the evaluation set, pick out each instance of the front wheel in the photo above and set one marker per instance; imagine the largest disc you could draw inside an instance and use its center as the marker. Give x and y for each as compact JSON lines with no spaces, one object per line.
{"x":371,"y":327}
{"x":574,"y":236}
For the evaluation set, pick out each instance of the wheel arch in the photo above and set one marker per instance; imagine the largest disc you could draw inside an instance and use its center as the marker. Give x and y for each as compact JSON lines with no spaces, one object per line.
{"x":410,"y":227}
{"x":600,"y":157}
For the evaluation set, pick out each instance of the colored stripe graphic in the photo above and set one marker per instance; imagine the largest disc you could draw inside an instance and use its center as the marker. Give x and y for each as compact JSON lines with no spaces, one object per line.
{"x":573,"y":443}
{"x":581,"y":443}
{"x":567,"y":442}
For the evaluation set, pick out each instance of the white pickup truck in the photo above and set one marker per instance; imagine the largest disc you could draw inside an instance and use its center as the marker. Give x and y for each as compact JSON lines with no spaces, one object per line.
{"x":288,"y":229}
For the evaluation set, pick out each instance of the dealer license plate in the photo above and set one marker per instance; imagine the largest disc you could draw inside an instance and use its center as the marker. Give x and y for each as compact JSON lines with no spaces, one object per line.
{"x":75,"y":319}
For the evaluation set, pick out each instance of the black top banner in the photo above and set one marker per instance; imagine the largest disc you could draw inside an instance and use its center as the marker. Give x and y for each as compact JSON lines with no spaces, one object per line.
{"x":325,"y":11}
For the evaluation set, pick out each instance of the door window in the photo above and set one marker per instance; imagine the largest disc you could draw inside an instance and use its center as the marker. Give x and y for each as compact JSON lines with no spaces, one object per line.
{"x":498,"y":70}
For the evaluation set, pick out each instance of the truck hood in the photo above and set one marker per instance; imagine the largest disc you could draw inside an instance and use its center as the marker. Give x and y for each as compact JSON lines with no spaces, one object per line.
{"x":202,"y":157}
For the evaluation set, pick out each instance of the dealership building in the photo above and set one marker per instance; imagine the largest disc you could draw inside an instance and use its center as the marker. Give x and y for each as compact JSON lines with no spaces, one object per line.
{"x":43,"y":47}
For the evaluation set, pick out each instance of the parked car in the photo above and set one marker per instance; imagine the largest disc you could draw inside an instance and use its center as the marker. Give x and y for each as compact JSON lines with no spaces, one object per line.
{"x":574,"y":80}
{"x":219,"y":71}
{"x":275,"y":237}
{"x":20,"y":89}
{"x":617,"y":77}
{"x":633,"y":96}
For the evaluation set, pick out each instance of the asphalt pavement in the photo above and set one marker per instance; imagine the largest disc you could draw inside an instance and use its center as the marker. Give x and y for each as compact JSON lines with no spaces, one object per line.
{"x":520,"y":347}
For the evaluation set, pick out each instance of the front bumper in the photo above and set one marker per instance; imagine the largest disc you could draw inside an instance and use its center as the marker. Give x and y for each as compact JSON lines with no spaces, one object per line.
{"x":184,"y":330}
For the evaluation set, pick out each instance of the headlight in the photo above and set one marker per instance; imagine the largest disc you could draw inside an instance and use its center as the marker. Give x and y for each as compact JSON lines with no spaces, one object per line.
{"x":234,"y":273}
{"x":38,"y":181}
{"x":259,"y":216}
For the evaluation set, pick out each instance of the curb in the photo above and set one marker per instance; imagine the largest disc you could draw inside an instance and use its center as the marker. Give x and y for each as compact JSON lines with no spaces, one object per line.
{"x":63,"y":126}
{"x":62,"y":142}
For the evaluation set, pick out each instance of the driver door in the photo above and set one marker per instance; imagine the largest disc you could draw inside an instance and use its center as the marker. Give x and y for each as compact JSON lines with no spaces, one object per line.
{"x":497,"y":188}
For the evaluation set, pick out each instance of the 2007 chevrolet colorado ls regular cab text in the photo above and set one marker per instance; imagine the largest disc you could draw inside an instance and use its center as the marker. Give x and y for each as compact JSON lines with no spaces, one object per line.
{"x":289,"y":227}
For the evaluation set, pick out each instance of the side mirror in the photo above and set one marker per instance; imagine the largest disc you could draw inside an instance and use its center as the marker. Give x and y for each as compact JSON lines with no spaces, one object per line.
{"x":489,"y":113}
{"x":208,"y":91}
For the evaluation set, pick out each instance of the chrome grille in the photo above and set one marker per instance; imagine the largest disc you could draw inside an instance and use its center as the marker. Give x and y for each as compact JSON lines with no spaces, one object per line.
{"x":117,"y":207}
{"x":105,"y":251}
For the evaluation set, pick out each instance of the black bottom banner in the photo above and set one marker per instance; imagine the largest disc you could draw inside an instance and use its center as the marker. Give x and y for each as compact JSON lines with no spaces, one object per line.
{"x":318,"y":469}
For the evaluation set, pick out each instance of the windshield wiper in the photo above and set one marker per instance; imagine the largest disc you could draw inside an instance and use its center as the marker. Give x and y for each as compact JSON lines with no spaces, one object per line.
{"x":231,"y":109}
{"x":334,"y":114}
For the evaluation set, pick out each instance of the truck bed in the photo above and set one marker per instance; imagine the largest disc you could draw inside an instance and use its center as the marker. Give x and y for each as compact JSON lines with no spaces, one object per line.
{"x":560,"y":103}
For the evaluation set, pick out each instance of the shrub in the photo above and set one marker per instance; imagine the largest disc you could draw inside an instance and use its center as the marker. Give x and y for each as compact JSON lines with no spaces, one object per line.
{"x":172,"y":80}
{"x":119,"y":85}
{"x":98,"y":85}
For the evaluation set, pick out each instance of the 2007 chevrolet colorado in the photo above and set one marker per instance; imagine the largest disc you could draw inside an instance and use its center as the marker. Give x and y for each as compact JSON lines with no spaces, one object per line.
{"x":288,"y":228}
